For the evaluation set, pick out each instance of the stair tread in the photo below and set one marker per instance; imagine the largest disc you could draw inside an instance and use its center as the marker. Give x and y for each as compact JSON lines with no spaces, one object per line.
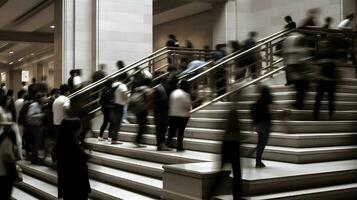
{"x":294,"y":193}
{"x":96,"y":185}
{"x":126,"y":175}
{"x":147,"y":164}
{"x":188,"y":154}
{"x":18,"y":194}
{"x":40,"y":185}
{"x":306,"y":149}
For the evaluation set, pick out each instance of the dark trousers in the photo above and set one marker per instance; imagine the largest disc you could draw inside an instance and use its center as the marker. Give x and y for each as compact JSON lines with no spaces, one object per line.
{"x":106,"y":121}
{"x":301,"y":88}
{"x":26,"y":139}
{"x":141,"y":119}
{"x":263,"y":130}
{"x":6,"y":185}
{"x":115,"y":117}
{"x":177,"y":124}
{"x":161,"y":123}
{"x":85,"y":128}
{"x":329,"y":87}
{"x":37,"y":138}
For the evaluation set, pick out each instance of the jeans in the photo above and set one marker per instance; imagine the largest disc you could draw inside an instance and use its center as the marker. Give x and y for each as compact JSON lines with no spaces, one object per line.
{"x":263,"y":130}
{"x":125,"y":111}
{"x":115,"y":117}
{"x":177,"y":124}
{"x":106,"y":121}
{"x":161,"y":123}
{"x":37,"y":138}
{"x":141,"y":119}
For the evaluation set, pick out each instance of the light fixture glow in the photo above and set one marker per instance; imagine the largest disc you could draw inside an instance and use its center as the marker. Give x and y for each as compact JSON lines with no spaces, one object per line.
{"x":32,"y":54}
{"x":21,"y":59}
{"x":11,"y":52}
{"x":53,"y":26}
{"x":11,"y":62}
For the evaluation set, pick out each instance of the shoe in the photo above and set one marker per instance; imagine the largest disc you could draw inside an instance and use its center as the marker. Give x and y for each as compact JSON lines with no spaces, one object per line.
{"x":180,"y":150}
{"x":109,"y":140}
{"x":100,"y":139}
{"x":138,"y":145}
{"x":259,"y":165}
{"x":125,"y":121}
{"x":115,"y":142}
{"x":163,"y":147}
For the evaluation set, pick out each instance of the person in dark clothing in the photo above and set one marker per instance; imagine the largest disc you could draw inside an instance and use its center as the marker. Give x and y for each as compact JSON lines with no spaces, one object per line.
{"x":72,"y":169}
{"x":161,"y":111}
{"x":290,"y":24}
{"x":49,"y":128}
{"x":328,"y":22}
{"x":72,"y":73}
{"x":172,"y":42}
{"x":140,"y":85}
{"x":327,"y":79}
{"x":220,"y":73}
{"x":7,"y":160}
{"x":250,"y":60}
{"x":97,"y":75}
{"x":310,"y":20}
{"x":262,"y":122}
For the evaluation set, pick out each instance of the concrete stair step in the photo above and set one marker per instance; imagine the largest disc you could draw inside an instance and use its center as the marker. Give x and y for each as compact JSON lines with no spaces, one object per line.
{"x":279,"y":96}
{"x":302,"y":155}
{"x":100,"y":190}
{"x":277,"y":125}
{"x":38,"y":188}
{"x":280,"y":114}
{"x":343,"y":191}
{"x":18,"y":194}
{"x":149,"y":153}
{"x":283,"y":104}
{"x":141,"y":167}
{"x":339,"y":89}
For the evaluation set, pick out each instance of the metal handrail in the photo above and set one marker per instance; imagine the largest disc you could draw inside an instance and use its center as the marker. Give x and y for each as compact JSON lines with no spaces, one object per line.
{"x":241,"y":87}
{"x":244,"y":53}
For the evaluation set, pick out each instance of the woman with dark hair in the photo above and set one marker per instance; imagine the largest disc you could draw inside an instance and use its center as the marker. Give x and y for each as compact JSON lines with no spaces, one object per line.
{"x":262,"y":122}
{"x":72,"y":169}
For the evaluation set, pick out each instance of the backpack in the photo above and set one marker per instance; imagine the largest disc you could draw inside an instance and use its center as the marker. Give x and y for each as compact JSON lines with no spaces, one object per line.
{"x":107,"y":98}
{"x":23,"y":113}
{"x":142,"y":99}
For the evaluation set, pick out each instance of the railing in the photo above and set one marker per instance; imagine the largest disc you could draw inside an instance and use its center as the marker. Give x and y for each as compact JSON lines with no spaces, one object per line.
{"x":87,"y":98}
{"x":204,"y":87}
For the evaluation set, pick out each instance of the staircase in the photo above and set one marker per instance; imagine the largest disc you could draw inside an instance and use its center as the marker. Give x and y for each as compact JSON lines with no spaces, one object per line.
{"x":305,"y":159}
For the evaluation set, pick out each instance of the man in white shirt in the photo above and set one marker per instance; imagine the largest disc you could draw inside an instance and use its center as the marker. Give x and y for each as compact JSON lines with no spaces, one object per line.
{"x":115,"y":98}
{"x":60,"y":107}
{"x":347,"y":23}
{"x":19,"y":103}
{"x":179,"y":111}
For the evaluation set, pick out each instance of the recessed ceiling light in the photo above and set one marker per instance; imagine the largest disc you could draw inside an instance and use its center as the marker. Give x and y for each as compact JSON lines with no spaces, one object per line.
{"x":21,"y":59}
{"x":11,"y":62}
{"x":32,"y":54}
{"x":53,"y":26}
{"x":11,"y":52}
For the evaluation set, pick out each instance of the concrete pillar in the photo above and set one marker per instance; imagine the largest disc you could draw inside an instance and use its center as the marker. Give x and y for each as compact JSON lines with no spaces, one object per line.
{"x":224,"y":22}
{"x":91,"y":32}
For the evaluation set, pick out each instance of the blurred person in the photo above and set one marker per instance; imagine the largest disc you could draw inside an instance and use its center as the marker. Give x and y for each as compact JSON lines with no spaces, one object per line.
{"x":311,"y":16}
{"x":220,"y":76}
{"x":10,"y":104}
{"x":24,"y":86}
{"x":347,"y":23}
{"x":8,"y":172}
{"x":161,"y":111}
{"x":72,"y":168}
{"x":140,"y":94}
{"x":207,"y":49}
{"x":114,"y":98}
{"x":49,"y":127}
{"x":97,"y":75}
{"x":60,"y":108}
{"x":262,"y":122}
{"x":172,"y":41}
{"x":19,"y":102}
{"x":4,"y":89}
{"x":235,"y":48}
{"x":327,"y":79}
{"x":290,"y":24}
{"x":70,"y":83}
{"x":189,"y":44}
{"x":125,"y":79}
{"x":328,"y":22}
{"x":183,"y":64}
{"x":296,"y":53}
{"x":250,"y":60}
{"x":77,"y":80}
{"x":230,"y":154}
{"x":193,"y":65}
{"x":35,"y":124}
{"x":180,"y":105}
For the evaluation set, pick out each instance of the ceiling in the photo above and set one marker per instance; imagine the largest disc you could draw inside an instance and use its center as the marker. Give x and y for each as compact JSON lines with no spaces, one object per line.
{"x":24,"y":16}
